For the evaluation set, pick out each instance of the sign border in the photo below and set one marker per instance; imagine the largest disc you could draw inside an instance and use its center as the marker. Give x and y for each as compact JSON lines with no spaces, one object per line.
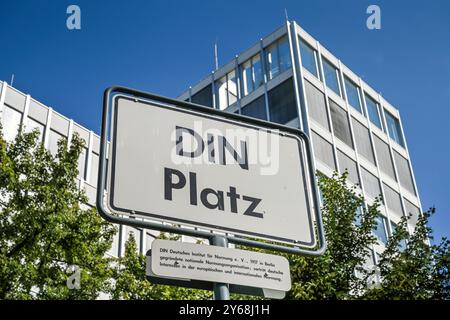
{"x":320,"y":244}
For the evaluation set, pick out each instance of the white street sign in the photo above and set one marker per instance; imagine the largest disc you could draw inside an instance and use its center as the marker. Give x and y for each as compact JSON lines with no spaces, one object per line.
{"x":190,"y":261}
{"x":194,"y":169}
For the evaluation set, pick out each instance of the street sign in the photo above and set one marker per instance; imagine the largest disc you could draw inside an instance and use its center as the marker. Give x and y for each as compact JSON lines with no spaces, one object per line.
{"x":207,"y":285}
{"x":190,"y":261}
{"x":181,"y":166}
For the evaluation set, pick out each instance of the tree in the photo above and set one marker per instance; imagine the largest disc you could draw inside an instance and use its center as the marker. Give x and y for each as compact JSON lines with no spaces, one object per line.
{"x":130,"y":281}
{"x":46,"y":227}
{"x":412,"y":269}
{"x":348,"y":229}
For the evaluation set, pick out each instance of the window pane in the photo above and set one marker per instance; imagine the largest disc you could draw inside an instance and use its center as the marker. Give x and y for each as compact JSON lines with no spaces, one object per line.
{"x":32,"y":125}
{"x":282,"y":104}
{"x":221,"y":93}
{"x":362,"y":140}
{"x":257,"y":72}
{"x":384,"y":157}
{"x":352,"y":94}
{"x":247,"y":78}
{"x":203,"y":97}
{"x":316,"y":105}
{"x":255,"y":109}
{"x":10,"y":123}
{"x":371,"y":183}
{"x":393,"y":126}
{"x":323,"y":150}
{"x":341,"y":126}
{"x":393,"y":201}
{"x":272,"y":61}
{"x":331,"y":78}
{"x":404,"y":173}
{"x":372,"y":110}
{"x":94,"y":169}
{"x":308,"y":57}
{"x":53,"y":139}
{"x":285,"y":54}
{"x":231,"y":88}
{"x":346,"y":163}
{"x":380,"y":229}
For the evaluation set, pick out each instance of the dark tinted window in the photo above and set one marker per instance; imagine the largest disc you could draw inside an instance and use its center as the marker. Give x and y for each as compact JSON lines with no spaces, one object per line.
{"x":282,"y":104}
{"x":255,"y":109}
{"x":341,"y":126}
{"x":203,"y":97}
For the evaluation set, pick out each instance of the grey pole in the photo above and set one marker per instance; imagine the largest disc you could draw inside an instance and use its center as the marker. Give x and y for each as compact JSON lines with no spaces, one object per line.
{"x":221,"y":290}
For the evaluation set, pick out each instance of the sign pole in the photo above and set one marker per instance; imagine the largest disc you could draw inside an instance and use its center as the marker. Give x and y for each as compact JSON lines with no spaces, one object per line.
{"x":221,"y":290}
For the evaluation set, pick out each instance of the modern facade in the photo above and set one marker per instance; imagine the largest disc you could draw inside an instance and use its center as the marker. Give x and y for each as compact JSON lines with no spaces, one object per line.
{"x":290,"y":78}
{"x":287,"y":77}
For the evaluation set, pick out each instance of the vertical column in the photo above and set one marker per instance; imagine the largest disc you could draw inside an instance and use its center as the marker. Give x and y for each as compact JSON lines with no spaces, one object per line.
{"x":264,"y":71}
{"x":48,"y":127}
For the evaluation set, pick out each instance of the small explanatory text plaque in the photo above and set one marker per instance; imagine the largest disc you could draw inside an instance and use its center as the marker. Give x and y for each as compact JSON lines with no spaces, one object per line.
{"x":216,"y":264}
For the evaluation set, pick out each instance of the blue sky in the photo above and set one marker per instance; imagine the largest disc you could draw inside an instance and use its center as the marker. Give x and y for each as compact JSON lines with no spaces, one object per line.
{"x":165,"y":46}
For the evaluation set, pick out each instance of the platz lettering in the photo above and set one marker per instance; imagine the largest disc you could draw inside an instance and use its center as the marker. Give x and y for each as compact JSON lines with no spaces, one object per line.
{"x":229,"y":200}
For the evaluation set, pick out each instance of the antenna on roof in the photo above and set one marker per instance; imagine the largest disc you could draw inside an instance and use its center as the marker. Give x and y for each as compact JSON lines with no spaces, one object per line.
{"x":286,"y":14}
{"x":216,"y":56}
{"x":12,"y":79}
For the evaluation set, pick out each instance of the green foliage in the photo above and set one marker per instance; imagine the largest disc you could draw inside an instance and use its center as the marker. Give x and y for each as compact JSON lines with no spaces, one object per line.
{"x":45,"y":226}
{"x":130,"y":282}
{"x":332,"y":276}
{"x":415,"y":271}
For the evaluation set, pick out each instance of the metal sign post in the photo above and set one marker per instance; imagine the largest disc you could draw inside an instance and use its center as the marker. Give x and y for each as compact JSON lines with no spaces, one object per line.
{"x":148,"y":187}
{"x":221,"y":290}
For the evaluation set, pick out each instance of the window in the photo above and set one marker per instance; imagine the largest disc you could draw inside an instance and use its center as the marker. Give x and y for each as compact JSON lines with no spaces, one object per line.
{"x":226,"y":90}
{"x":309,"y":58}
{"x":278,"y":57}
{"x":412,"y":210}
{"x":340,"y":122}
{"x":380,"y":230}
{"x":10,"y":123}
{"x":316,"y":105}
{"x":403,"y":243}
{"x":393,"y":201}
{"x":94,"y":169}
{"x":323,"y":150}
{"x":393,"y":126}
{"x":404,"y":173}
{"x":346,"y":163}
{"x":53,"y":139}
{"x":371,"y":184}
{"x":359,"y":216}
{"x":373,"y":111}
{"x":362,"y":140}
{"x":384,"y":157}
{"x":32,"y":125}
{"x":251,"y":75}
{"x":331,"y":76}
{"x":352,"y":94}
{"x":255,"y":109}
{"x":282,"y":106}
{"x":203,"y":97}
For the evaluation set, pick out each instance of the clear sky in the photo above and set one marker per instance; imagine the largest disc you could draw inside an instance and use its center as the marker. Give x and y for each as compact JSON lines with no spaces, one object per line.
{"x":165,"y":46}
